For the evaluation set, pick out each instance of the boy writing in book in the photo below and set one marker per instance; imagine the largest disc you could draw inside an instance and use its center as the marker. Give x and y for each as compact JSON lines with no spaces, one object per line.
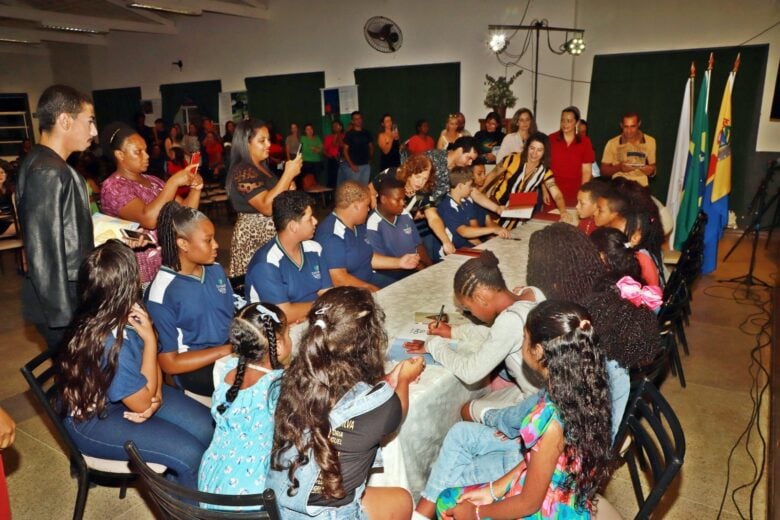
{"x":460,"y":223}
{"x":391,"y":231}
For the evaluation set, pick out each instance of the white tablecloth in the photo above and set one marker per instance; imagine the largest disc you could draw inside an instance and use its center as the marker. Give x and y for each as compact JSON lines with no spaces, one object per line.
{"x":436,"y":399}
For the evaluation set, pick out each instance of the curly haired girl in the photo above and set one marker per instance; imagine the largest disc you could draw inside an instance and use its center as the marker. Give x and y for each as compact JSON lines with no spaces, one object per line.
{"x":565,"y":439}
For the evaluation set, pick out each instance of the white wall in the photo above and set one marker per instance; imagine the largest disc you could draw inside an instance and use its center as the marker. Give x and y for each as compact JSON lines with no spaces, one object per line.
{"x":305,"y":36}
{"x":310,"y":35}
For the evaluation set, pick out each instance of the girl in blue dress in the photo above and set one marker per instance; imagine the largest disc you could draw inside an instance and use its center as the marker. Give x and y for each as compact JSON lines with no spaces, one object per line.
{"x":244,"y":401}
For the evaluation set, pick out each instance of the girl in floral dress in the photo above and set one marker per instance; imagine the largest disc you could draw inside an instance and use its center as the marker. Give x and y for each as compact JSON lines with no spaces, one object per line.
{"x":565,"y":439}
{"x":244,"y":401}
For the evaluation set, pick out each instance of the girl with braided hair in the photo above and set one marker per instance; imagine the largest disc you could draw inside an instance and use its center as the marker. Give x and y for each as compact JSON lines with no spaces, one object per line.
{"x":481,"y":292}
{"x":566,"y":448}
{"x":190,"y":299}
{"x":236,"y":462}
{"x":336,"y":407}
{"x":111,"y":387}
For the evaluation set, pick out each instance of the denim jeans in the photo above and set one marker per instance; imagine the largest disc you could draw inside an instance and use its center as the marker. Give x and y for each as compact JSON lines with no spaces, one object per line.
{"x":176,"y":436}
{"x":470,"y":454}
{"x":362,"y":176}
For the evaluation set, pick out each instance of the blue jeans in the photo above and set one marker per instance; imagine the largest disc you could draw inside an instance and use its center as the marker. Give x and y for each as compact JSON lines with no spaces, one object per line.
{"x":362,"y":176}
{"x":176,"y":436}
{"x":470,"y":454}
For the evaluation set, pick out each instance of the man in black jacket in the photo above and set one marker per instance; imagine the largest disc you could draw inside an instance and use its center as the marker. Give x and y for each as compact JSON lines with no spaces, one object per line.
{"x":54,"y":213}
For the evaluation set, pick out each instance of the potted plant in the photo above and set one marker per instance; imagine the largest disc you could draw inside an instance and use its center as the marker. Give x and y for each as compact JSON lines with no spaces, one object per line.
{"x":499,"y":95}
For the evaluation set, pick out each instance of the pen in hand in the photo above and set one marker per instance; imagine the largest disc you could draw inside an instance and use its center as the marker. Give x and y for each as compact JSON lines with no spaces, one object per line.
{"x":440,"y":316}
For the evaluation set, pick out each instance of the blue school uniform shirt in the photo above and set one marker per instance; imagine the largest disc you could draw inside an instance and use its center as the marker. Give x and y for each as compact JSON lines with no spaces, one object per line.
{"x":128,"y":378}
{"x":190,"y":313}
{"x":343,"y":247}
{"x":392,"y":238}
{"x":478,"y":213}
{"x":273,"y":277}
{"x":454,"y":215}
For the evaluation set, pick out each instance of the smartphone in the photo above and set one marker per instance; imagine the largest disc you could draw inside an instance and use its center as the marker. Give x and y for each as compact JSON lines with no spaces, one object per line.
{"x":135,"y":235}
{"x":196,"y":160}
{"x":300,"y":147}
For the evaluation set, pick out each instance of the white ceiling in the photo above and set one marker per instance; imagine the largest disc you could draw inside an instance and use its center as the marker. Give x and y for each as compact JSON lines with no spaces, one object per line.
{"x":88,"y":21}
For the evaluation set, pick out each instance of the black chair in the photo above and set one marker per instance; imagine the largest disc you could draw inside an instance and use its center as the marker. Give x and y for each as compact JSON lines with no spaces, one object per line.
{"x":657,"y":446}
{"x":87,"y":469}
{"x":177,"y":502}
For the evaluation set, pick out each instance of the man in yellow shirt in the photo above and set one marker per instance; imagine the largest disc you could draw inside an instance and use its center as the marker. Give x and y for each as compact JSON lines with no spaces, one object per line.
{"x":630,"y":154}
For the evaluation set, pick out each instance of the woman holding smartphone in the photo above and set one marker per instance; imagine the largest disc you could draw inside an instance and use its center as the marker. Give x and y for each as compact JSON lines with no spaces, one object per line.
{"x":389,"y":144}
{"x":132,"y":195}
{"x":252,"y":186}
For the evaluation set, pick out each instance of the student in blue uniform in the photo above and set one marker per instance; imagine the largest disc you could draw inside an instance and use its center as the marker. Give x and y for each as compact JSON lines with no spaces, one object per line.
{"x":288,"y":271}
{"x":391,"y":230}
{"x":345,"y":248}
{"x":190,"y":299}
{"x":458,"y":219}
{"x":110,"y":384}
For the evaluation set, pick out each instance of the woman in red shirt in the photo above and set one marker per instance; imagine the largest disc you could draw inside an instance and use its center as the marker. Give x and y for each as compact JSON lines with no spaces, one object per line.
{"x":332,"y":149}
{"x":572,"y":156}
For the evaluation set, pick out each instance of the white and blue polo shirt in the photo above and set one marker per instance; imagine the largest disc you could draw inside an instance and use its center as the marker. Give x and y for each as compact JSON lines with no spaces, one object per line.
{"x":345,"y":248}
{"x":190,"y":313}
{"x":273,"y":277}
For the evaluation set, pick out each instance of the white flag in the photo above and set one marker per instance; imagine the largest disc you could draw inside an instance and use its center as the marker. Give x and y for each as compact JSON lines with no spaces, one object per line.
{"x":681,"y":152}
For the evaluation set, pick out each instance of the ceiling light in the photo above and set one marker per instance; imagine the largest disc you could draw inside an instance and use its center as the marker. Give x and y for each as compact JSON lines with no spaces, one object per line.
{"x":165,"y":8}
{"x":498,"y":42}
{"x":575,"y":46}
{"x":71,"y":28}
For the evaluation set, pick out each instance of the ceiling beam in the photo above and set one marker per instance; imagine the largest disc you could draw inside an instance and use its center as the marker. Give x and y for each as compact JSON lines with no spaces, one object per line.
{"x":196,"y":7}
{"x":38,"y":36}
{"x":101,"y":24}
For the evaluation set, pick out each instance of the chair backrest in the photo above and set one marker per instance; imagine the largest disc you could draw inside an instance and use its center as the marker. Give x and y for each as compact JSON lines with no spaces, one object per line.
{"x":44,"y":389}
{"x":178,"y":502}
{"x":658,"y":445}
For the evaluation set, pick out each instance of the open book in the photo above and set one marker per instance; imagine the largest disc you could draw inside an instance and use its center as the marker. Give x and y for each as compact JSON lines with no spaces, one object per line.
{"x":521,"y":205}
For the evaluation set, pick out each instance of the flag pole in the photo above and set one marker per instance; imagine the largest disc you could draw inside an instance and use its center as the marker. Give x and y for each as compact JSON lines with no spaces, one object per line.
{"x":693,"y":91}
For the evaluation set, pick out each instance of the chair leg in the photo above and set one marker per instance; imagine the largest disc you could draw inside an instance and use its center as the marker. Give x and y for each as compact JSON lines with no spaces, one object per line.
{"x":677,"y":364}
{"x":81,"y":496}
{"x":123,"y":489}
{"x":678,"y":325}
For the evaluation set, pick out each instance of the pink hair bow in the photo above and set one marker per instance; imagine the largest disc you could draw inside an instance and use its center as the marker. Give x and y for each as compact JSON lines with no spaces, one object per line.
{"x":651,"y":296}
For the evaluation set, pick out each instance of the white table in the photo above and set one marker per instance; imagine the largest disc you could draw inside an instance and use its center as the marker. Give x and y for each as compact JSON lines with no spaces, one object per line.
{"x":436,"y":399}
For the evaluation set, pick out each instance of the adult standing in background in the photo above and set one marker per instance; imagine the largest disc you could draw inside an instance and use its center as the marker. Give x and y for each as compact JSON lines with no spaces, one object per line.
{"x":252,"y":187}
{"x":420,"y":142}
{"x":450,"y":133}
{"x":311,"y":150}
{"x":572,"y":156}
{"x":54,"y":211}
{"x":522,"y":126}
{"x":489,"y":140}
{"x":333,"y":144}
{"x":191,"y":141}
{"x":630,"y":154}
{"x":291,"y":142}
{"x":174,"y":140}
{"x":358,"y":150}
{"x":389,"y":144}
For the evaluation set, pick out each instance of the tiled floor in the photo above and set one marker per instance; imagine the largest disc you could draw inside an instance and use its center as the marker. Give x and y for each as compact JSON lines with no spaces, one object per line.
{"x":714,"y":410}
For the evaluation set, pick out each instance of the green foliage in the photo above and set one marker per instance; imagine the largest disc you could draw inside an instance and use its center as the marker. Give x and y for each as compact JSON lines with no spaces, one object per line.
{"x":499,"y":93}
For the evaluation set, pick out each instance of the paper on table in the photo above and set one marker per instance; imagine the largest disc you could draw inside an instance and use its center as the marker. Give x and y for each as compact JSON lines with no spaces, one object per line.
{"x":397,"y":352}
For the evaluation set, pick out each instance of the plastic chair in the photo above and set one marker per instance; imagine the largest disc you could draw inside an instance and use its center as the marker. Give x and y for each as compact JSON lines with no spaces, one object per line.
{"x":178,"y":502}
{"x":87,"y":469}
{"x":657,"y":446}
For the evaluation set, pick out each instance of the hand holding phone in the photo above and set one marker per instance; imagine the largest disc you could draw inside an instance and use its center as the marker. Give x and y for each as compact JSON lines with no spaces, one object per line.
{"x":195,"y":160}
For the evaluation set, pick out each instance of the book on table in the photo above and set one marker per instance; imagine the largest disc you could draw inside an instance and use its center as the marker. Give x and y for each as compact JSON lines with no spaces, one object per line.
{"x":520,"y":205}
